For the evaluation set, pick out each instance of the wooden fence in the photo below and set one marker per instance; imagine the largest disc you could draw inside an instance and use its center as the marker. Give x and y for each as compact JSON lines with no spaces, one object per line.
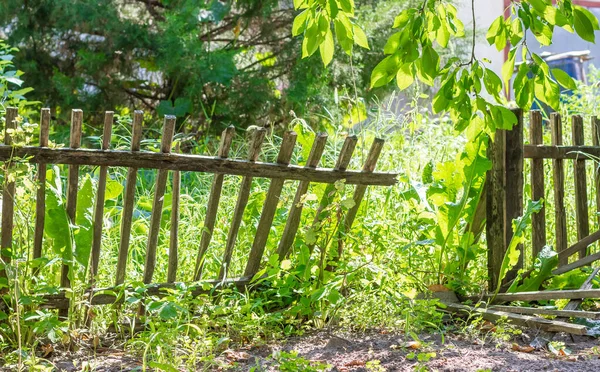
{"x":166,"y":161}
{"x":505,"y":186}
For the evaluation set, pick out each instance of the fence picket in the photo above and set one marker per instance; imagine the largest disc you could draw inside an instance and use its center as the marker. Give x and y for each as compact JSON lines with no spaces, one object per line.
{"x":253,"y":152}
{"x":581,"y":197}
{"x":129,"y":200}
{"x":174,"y":233}
{"x":100,"y":194}
{"x":269,"y":207}
{"x":8,"y":191}
{"x":213,"y":203}
{"x":558,"y":169}
{"x":293,"y":221}
{"x":72,"y":182}
{"x":538,"y":220}
{"x":341,"y":164}
{"x":157,"y":204}
{"x":40,"y":202}
{"x":596,"y":142}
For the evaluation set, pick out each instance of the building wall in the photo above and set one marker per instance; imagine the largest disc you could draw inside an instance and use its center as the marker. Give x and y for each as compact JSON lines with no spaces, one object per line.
{"x":486,"y":11}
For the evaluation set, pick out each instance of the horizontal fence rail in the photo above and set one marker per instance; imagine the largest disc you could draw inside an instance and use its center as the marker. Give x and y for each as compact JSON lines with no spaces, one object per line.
{"x":167,"y":162}
{"x":193,"y":163}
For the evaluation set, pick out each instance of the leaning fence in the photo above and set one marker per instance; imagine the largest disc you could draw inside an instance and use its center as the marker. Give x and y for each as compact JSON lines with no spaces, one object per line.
{"x":164,"y":162}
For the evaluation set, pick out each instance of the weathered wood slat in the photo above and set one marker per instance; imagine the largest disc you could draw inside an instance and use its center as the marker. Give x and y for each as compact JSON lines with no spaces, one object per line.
{"x":157,"y":204}
{"x":558,"y":171}
{"x":514,"y":182}
{"x":586,"y":260}
{"x":561,"y":152}
{"x":269,"y":208}
{"x":213,"y":203}
{"x":359,"y":191}
{"x":342,"y":163}
{"x":238,"y":213}
{"x":72,"y":182}
{"x":129,"y":199}
{"x":581,"y":196}
{"x":582,"y":244}
{"x":574,"y":304}
{"x":100,"y":194}
{"x":174,"y":234}
{"x":538,"y":220}
{"x":8,"y":191}
{"x":596,"y":143}
{"x":293,"y":221}
{"x":40,"y":201}
{"x":195,"y":163}
{"x":521,"y":320}
{"x":539,"y":311}
{"x":544,"y":295}
{"x":495,"y":207}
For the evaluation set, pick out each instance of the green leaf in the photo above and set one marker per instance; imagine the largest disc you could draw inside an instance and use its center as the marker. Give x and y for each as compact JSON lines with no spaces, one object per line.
{"x":360,"y":37}
{"x":56,"y":224}
{"x":494,"y":29}
{"x":546,"y":261}
{"x":382,"y":73}
{"x":344,"y":36}
{"x":300,"y":23}
{"x":583,"y":25}
{"x":347,"y":6}
{"x":564,"y":79}
{"x":326,"y":48}
{"x":84,"y":220}
{"x":113,"y":189}
{"x":405,"y":76}
{"x":508,"y":67}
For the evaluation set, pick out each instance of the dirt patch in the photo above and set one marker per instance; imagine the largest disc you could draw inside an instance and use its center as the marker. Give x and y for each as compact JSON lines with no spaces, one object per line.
{"x":392,"y":352}
{"x":375,"y":351}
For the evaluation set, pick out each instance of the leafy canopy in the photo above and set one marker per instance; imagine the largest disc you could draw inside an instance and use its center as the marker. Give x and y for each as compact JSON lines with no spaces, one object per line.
{"x":413,"y":54}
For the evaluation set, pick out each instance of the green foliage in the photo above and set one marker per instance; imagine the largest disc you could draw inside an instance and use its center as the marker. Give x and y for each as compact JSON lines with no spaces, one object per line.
{"x":519,"y":226}
{"x":546,"y":261}
{"x":412,"y":54}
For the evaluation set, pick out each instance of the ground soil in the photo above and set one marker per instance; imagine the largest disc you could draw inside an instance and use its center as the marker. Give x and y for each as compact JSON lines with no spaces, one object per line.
{"x":391,"y":351}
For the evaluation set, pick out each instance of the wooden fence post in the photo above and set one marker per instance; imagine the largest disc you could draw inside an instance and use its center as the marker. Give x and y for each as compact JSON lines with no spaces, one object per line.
{"x":8,"y":193}
{"x":538,"y":220}
{"x":514,"y":181}
{"x":581,"y":197}
{"x":558,"y":169}
{"x":495,"y":207}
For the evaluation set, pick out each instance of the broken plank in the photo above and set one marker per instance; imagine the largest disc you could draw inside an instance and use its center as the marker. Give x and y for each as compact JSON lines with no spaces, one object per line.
{"x":579,"y":263}
{"x":540,"y":311}
{"x":545,"y":295}
{"x":520,"y":320}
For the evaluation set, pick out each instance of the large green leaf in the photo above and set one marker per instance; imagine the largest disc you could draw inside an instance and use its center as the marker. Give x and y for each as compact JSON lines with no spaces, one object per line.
{"x":519,"y":225}
{"x":546,"y":261}
{"x":84,"y":219}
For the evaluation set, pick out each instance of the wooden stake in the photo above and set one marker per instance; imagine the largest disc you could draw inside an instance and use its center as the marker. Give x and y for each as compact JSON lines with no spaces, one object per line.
{"x":558,"y":169}
{"x":242,"y":201}
{"x":8,"y":193}
{"x":174,"y":235}
{"x":293,"y":221}
{"x":213,"y":203}
{"x":269,"y":208}
{"x":581,"y":197}
{"x":538,"y":220}
{"x":72,"y":184}
{"x":129,"y":200}
{"x":100,"y":195}
{"x":157,"y":205}
{"x":40,"y":201}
